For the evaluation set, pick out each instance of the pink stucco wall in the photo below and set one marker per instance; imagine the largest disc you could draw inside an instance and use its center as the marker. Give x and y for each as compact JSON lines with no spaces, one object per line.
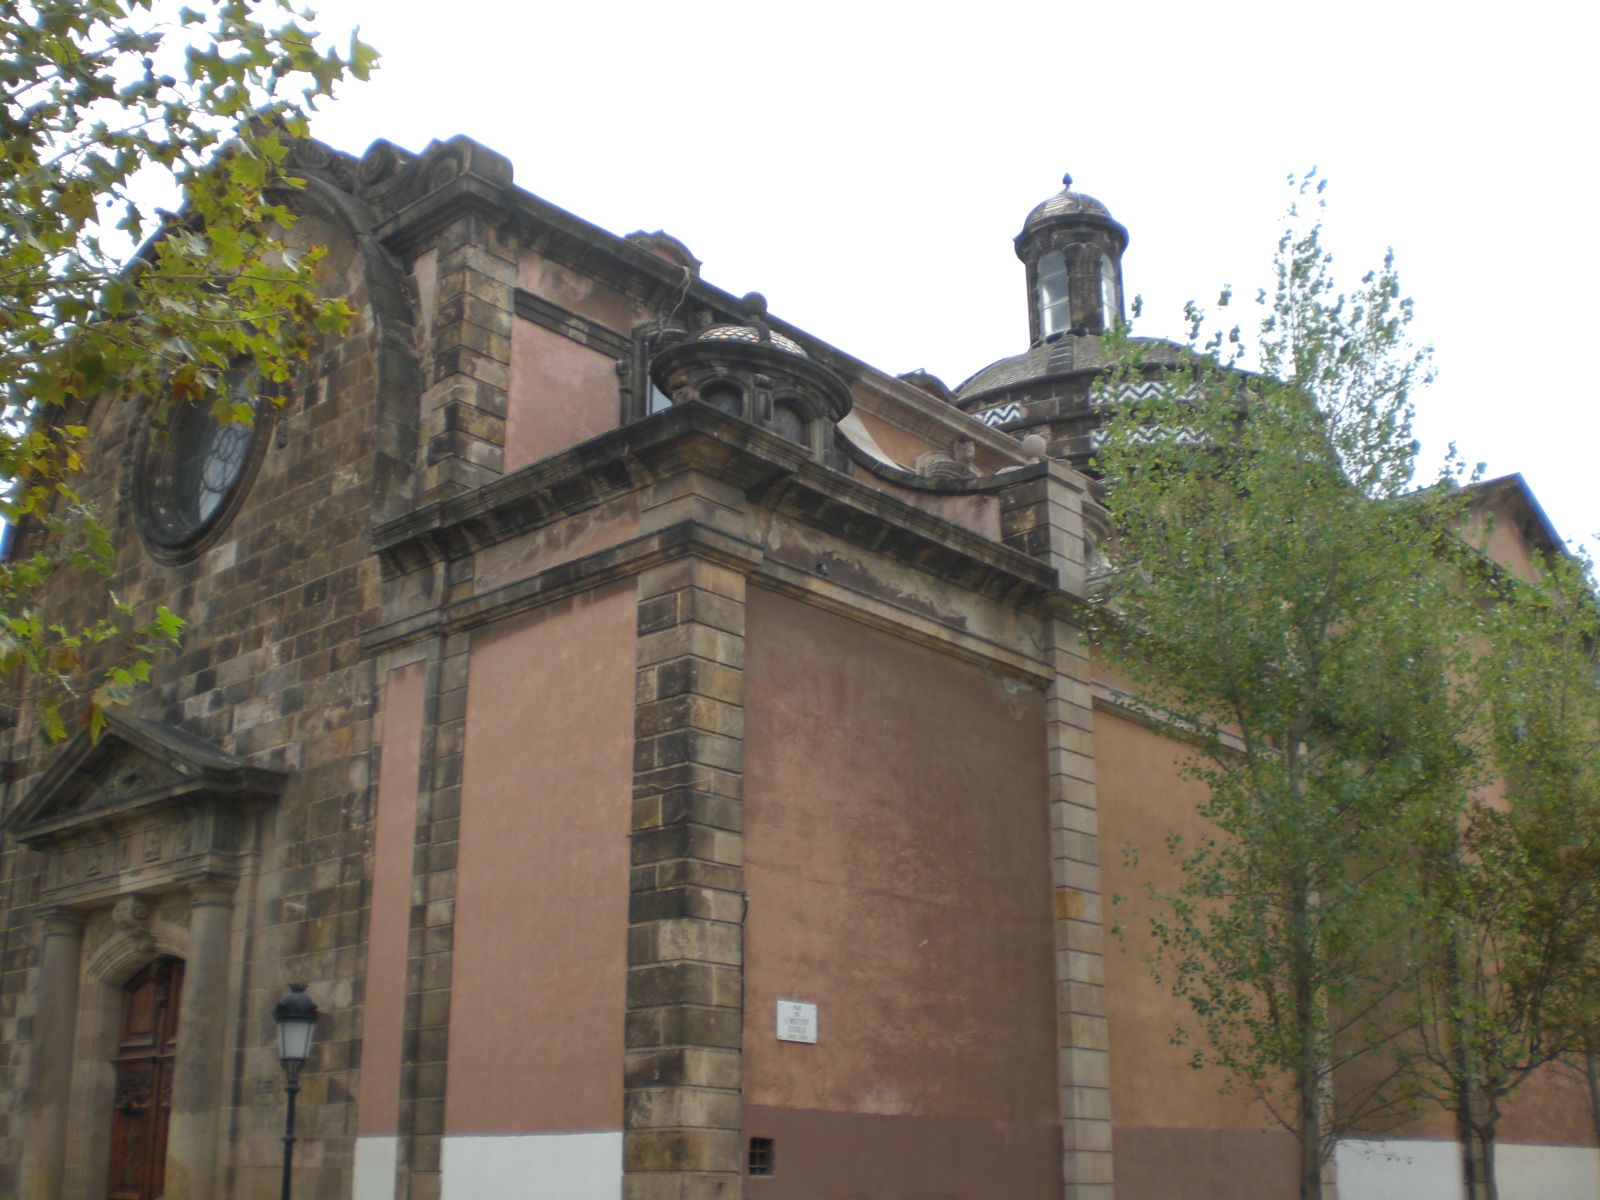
{"x":897,"y":863}
{"x":378,"y":1104}
{"x":538,"y":984}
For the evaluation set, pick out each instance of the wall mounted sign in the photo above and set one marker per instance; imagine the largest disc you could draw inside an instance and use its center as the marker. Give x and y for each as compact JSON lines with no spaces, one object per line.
{"x":797,"y":1021}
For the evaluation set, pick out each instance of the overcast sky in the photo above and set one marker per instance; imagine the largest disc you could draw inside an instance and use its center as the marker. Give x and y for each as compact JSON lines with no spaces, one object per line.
{"x":865,"y":165}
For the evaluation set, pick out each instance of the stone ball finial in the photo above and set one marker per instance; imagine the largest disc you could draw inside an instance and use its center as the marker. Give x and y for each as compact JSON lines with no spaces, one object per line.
{"x":1033,"y":447}
{"x":754,"y":305}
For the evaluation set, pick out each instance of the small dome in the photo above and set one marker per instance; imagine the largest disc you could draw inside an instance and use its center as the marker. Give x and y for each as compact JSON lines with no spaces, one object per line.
{"x":1065,"y":203}
{"x":749,"y":333}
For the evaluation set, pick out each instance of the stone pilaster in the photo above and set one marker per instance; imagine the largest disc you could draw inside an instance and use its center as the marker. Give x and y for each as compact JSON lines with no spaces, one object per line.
{"x":686,"y":908}
{"x":431,"y":939}
{"x":1082,"y":1046}
{"x":1044,"y":516}
{"x":464,"y":406}
{"x":198,"y":1092}
{"x":50,"y":1068}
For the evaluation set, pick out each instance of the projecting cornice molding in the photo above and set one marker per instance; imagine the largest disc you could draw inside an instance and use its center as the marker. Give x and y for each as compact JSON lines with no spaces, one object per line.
{"x":774,"y":473}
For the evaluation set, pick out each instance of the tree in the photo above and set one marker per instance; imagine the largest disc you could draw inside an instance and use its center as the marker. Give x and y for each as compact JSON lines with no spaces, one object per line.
{"x":103,"y":102}
{"x":1507,"y":957}
{"x":1277,"y":597}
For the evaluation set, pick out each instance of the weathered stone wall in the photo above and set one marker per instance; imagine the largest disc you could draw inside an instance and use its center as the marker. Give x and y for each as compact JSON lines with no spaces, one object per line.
{"x":271,"y":670}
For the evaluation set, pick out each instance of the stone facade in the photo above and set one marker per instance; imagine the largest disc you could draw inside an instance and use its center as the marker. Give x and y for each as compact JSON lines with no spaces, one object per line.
{"x":584,"y":666}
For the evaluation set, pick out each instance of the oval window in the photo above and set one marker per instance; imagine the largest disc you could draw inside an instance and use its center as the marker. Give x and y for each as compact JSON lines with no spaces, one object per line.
{"x":192,"y":468}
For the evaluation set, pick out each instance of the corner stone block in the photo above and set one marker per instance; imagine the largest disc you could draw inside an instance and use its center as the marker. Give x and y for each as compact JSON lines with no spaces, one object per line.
{"x":694,"y":1150}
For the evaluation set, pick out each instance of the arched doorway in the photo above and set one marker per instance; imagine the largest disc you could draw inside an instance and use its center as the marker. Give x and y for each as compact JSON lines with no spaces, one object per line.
{"x":142,"y":1104}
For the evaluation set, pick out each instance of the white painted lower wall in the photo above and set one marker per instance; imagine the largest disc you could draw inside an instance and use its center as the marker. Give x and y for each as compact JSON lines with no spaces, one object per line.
{"x":538,"y":1166}
{"x":1428,"y":1170}
{"x":1547,"y":1172}
{"x":374,"y":1168}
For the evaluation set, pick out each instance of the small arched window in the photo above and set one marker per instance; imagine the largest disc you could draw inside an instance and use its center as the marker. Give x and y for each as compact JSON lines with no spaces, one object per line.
{"x":788,"y":421}
{"x":1108,"y":293}
{"x":724,"y":397}
{"x":1055,"y":314}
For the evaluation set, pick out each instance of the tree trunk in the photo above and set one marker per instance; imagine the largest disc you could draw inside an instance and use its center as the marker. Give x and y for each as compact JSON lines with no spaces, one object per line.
{"x":1477,"y":1162}
{"x":1476,"y":1173}
{"x":1592,"y":1069}
{"x":1592,"y":1063}
{"x":1312,"y":1084}
{"x":1311,"y":1018}
{"x":1473,"y":1128}
{"x":1311,"y":1135}
{"x":1477,"y":1119}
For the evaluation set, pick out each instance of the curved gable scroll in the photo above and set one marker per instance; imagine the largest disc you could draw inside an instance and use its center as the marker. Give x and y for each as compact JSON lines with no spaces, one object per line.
{"x":145,"y":808}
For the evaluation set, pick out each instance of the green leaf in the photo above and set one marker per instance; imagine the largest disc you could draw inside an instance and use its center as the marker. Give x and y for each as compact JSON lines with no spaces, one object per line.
{"x":90,"y":126}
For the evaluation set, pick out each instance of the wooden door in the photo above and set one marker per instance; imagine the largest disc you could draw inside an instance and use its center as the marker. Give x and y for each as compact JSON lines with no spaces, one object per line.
{"x":143,"y":1065}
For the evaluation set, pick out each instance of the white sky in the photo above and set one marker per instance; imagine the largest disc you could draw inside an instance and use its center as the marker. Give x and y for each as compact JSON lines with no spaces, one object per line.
{"x":865,"y":165}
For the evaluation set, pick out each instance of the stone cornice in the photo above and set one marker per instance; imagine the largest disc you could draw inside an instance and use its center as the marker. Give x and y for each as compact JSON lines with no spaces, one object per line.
{"x":580,"y":574}
{"x":772,"y":472}
{"x":570,"y":325}
{"x":775,"y":477}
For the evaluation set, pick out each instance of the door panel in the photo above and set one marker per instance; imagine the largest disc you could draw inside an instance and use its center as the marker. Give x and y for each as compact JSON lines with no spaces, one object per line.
{"x":142,"y":1102}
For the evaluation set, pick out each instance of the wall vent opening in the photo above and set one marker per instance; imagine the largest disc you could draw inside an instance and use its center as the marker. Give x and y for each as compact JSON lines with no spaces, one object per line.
{"x":761,"y":1158}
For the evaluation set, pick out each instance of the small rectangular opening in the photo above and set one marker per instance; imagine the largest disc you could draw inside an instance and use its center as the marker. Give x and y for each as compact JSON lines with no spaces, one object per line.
{"x":761,"y":1161}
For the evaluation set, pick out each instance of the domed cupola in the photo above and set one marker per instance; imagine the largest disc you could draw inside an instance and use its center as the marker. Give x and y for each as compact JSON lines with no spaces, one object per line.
{"x":753,"y":372}
{"x":1072,"y":249}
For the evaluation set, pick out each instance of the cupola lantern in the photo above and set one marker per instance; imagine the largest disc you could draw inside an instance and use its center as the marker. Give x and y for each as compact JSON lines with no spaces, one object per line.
{"x":1072,"y":249}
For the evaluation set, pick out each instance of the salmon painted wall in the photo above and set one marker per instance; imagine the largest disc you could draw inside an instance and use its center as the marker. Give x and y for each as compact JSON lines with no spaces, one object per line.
{"x":562,"y":393}
{"x":899,"y":444}
{"x":1177,"y":1133}
{"x":583,"y":294}
{"x":897,"y":864}
{"x":383,"y":1020}
{"x":541,"y":910}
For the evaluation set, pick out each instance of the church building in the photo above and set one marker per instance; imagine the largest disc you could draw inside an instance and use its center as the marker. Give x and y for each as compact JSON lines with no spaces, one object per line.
{"x":665,"y":748}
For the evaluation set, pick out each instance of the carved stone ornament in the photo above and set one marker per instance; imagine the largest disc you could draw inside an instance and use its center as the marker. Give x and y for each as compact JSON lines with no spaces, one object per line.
{"x":131,"y":915}
{"x":955,"y":462}
{"x":391,"y":178}
{"x":136,"y":811}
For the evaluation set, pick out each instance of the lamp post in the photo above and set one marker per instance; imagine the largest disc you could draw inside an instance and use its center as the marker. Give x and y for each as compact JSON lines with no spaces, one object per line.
{"x":296,"y":1017}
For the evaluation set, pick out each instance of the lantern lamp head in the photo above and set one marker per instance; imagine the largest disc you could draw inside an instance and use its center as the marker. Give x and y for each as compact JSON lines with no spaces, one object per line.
{"x":296,"y":1017}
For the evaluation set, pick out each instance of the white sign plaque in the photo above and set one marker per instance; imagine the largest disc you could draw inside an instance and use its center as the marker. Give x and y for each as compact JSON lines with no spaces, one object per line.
{"x":797,"y":1021}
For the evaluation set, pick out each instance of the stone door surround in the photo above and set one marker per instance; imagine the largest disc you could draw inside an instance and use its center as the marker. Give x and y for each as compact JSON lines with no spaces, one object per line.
{"x":145,"y":833}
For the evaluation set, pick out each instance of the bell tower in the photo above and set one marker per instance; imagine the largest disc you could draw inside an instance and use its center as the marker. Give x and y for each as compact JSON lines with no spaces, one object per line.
{"x":1072,"y":249}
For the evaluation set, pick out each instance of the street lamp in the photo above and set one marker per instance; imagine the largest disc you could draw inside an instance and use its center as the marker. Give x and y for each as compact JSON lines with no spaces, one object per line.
{"x":296,"y":1017}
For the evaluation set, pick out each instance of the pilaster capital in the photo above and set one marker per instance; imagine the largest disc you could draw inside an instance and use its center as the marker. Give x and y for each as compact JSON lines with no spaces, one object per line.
{"x":60,"y":920}
{"x":212,"y":891}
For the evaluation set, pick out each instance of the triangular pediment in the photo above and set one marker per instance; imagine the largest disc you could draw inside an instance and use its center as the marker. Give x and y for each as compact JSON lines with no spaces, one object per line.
{"x":134,"y":766}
